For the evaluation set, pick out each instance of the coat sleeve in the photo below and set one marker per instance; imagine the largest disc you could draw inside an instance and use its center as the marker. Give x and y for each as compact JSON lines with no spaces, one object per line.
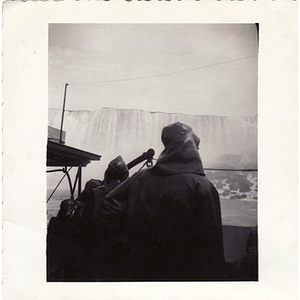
{"x":210,"y":221}
{"x":113,"y":209}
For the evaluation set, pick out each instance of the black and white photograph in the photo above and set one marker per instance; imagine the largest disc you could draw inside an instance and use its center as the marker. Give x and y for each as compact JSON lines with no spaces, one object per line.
{"x":152,"y":152}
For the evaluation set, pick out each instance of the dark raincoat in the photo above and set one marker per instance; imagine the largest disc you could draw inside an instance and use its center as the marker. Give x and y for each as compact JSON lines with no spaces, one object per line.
{"x":73,"y":239}
{"x":96,"y":190}
{"x":95,"y":236}
{"x":170,"y":214}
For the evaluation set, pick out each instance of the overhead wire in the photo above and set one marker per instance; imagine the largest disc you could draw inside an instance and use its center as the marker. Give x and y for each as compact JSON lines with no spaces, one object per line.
{"x":239,"y":170}
{"x":218,"y":169}
{"x":165,"y":74}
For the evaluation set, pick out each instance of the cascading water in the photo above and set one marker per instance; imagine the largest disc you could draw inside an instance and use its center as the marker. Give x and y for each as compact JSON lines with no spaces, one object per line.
{"x":130,"y":132}
{"x":225,"y":142}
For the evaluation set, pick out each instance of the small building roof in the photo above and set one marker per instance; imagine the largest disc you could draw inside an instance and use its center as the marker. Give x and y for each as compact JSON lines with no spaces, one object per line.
{"x":66,"y":156}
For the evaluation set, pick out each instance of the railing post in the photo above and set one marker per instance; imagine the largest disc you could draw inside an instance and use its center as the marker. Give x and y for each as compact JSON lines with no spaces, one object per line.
{"x":79,"y":180}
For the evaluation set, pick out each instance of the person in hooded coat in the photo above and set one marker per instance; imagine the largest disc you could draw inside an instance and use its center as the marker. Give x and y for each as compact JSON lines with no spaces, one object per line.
{"x":96,"y":190}
{"x":92,"y":197}
{"x":72,"y":238}
{"x":170,"y":215}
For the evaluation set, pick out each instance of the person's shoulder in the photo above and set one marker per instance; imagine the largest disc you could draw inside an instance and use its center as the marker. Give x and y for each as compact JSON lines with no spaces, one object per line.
{"x":129,"y":183}
{"x":205,"y":183}
{"x":140,"y":174}
{"x":197,"y":177}
{"x":93,"y":183}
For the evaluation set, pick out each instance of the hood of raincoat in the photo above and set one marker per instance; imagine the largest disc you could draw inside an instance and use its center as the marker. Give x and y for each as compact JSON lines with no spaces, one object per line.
{"x":116,"y":171}
{"x":181,"y":153}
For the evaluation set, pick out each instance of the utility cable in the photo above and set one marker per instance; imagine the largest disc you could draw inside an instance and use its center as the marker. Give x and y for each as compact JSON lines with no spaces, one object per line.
{"x":166,"y":74}
{"x":241,"y":170}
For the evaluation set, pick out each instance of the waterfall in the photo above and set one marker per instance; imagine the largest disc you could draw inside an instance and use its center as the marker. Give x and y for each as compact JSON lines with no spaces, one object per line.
{"x":130,"y":132}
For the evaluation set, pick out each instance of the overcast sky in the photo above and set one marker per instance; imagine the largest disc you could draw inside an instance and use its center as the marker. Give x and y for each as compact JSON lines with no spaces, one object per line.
{"x":185,"y":68}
